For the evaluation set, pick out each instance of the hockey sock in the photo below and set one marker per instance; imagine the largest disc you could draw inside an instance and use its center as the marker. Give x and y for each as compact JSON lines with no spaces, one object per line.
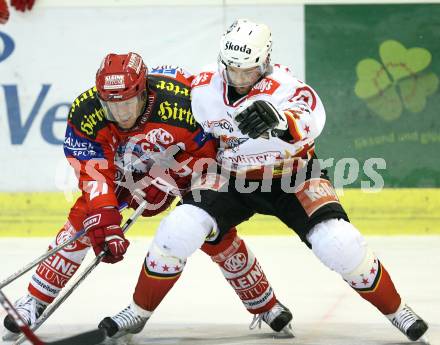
{"x":158,"y":275}
{"x":377,"y":288}
{"x":54,"y":273}
{"x":243,"y":272}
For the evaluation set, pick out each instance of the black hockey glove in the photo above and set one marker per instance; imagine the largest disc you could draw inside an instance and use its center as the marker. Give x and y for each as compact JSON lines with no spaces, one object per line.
{"x":261,"y":118}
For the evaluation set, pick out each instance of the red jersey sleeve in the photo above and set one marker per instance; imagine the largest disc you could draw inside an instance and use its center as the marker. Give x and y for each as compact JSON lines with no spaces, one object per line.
{"x":89,"y":146}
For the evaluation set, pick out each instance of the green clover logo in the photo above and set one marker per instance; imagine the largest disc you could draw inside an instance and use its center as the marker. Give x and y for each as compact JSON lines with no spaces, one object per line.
{"x":397,"y":82}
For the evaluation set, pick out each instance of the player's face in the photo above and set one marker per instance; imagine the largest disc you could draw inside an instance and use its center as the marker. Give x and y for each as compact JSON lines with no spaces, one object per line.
{"x":124,"y":113}
{"x":243,"y":78}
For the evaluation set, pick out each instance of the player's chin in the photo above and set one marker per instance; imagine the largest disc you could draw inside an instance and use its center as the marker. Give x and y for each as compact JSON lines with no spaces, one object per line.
{"x":243,"y":90}
{"x":126,"y":124}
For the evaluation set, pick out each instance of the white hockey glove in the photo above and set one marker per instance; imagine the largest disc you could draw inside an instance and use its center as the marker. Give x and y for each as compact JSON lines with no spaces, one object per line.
{"x":260,"y":119}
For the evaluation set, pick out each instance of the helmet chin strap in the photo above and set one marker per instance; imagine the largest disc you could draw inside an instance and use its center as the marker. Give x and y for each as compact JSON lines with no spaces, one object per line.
{"x":144,"y":109}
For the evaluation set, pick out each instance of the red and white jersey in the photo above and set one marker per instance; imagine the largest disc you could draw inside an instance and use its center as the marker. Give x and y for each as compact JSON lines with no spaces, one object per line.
{"x":301,"y":105}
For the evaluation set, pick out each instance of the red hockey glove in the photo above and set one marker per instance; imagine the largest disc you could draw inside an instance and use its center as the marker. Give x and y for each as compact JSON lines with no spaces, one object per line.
{"x":158,"y":201}
{"x":159,"y":193}
{"x":104,"y":231}
{"x":4,"y":12}
{"x":22,"y":5}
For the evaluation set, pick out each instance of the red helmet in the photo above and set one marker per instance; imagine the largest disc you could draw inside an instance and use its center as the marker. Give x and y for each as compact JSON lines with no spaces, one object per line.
{"x":121,"y":82}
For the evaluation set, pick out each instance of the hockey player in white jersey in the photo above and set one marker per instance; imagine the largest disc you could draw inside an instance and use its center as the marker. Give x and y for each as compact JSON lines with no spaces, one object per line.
{"x":266,"y":122}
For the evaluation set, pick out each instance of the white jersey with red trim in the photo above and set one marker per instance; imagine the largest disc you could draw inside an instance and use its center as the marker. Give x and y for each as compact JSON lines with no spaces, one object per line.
{"x":301,"y":105}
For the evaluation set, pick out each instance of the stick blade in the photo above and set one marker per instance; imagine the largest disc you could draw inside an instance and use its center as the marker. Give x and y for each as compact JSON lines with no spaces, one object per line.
{"x":94,"y":337}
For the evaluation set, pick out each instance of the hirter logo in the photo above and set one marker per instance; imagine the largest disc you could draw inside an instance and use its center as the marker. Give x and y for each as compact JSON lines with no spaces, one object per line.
{"x":235,"y":47}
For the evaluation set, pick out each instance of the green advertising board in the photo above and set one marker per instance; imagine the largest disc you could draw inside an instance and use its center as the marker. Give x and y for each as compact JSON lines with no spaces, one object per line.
{"x":377,"y":69}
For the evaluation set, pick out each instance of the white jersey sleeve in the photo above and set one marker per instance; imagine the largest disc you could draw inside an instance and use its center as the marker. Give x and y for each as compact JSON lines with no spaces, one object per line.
{"x":300,"y":104}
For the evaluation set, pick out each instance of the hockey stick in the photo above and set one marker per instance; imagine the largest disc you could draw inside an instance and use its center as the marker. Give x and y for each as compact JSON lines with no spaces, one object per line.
{"x":47,"y":255}
{"x":67,"y":292}
{"x":87,"y":338}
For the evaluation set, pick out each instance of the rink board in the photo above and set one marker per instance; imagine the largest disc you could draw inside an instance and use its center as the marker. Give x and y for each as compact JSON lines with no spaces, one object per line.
{"x":389,"y":212}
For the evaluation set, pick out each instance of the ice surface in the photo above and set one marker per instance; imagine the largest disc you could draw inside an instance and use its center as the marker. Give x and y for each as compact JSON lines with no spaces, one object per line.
{"x":203,"y":309}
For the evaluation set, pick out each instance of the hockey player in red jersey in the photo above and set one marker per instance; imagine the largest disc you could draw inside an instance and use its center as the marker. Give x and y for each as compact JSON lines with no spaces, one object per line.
{"x":131,"y":136}
{"x":265,"y":121}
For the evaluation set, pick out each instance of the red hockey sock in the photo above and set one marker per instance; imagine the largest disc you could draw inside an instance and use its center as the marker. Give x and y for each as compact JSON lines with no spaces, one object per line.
{"x":382,"y":294}
{"x":158,"y":275}
{"x":54,"y":273}
{"x":243,"y":272}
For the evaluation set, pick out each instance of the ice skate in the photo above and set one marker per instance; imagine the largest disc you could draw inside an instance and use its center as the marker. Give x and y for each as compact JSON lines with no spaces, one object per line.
{"x":127,"y":322}
{"x":278,"y":318}
{"x":409,"y":323}
{"x":29,"y":309}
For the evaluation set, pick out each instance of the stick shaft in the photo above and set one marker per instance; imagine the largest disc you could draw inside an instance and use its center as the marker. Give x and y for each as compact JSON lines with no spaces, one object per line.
{"x":46,"y":255}
{"x":84,"y":274}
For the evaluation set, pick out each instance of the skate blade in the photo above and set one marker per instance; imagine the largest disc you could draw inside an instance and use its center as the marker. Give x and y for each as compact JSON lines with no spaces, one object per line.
{"x":286,"y":332}
{"x":9,"y":336}
{"x":122,"y":340}
{"x":424,"y":340}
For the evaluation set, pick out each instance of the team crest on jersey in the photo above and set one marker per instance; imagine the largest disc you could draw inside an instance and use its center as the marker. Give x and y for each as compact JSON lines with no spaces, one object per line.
{"x":202,"y":79}
{"x":135,"y":154}
{"x":306,"y":96}
{"x":159,"y":135}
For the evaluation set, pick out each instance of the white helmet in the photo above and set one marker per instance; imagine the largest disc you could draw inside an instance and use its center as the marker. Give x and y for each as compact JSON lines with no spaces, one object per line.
{"x":245,"y":45}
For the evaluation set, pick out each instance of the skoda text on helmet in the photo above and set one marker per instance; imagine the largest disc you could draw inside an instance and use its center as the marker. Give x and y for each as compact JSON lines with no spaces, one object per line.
{"x":244,"y":52}
{"x":121,"y":82}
